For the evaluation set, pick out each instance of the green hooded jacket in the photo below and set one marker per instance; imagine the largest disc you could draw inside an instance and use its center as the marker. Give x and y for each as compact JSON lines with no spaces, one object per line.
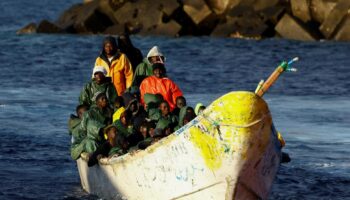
{"x":125,"y":132}
{"x":143,"y":70}
{"x":90,"y":131}
{"x":92,"y":88}
{"x":182,"y":116}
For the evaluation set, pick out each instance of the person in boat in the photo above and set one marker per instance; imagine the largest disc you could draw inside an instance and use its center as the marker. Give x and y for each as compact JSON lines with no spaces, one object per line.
{"x":168,"y":118}
{"x":199,"y":108}
{"x":119,"y":108}
{"x":100,"y":83}
{"x":74,"y":128}
{"x":159,"y":84}
{"x":144,"y":69}
{"x":124,"y":124}
{"x":152,"y":102}
{"x":180,"y":102}
{"x":94,"y":120}
{"x":91,"y":127}
{"x":138,"y":117}
{"x":114,"y":145}
{"x":134,"y":54}
{"x":189,"y":116}
{"x":116,"y":64}
{"x":183,"y":111}
{"x":74,"y":120}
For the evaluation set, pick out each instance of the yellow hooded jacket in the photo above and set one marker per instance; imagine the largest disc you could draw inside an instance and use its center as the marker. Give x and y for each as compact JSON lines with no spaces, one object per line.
{"x":119,"y":70}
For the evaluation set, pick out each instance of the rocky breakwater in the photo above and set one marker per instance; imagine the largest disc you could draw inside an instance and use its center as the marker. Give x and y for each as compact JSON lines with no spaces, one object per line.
{"x":306,"y":20}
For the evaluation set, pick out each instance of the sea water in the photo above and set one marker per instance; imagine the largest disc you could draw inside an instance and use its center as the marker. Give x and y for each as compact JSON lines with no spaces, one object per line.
{"x":42,"y":75}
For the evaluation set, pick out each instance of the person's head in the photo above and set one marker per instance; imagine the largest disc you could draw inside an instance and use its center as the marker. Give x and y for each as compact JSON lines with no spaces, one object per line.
{"x":110,"y":46}
{"x":101,"y":100}
{"x":133,"y":107}
{"x":158,"y":133}
{"x":180,"y":101}
{"x":155,"y":55}
{"x":145,"y":128}
{"x":99,"y":74}
{"x":81,"y":109}
{"x":125,"y":118}
{"x":124,"y":43}
{"x":199,"y":108}
{"x":159,"y":70}
{"x":164,"y":108}
{"x":188,"y":117}
{"x":190,"y":110}
{"x":119,"y":102}
{"x":111,"y":132}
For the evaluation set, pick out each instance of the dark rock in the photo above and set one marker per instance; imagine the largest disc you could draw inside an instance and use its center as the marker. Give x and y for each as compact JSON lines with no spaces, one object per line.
{"x":188,"y":27}
{"x":264,"y":4}
{"x":272,"y":15}
{"x":48,"y":27}
{"x":28,"y":29}
{"x":109,"y":7}
{"x":143,"y":15}
{"x":197,"y":10}
{"x":116,"y":29}
{"x":333,"y":19}
{"x":168,"y":29}
{"x":246,"y":26}
{"x":301,"y":9}
{"x":321,"y":8}
{"x":292,"y":28}
{"x":169,"y":6}
{"x":85,"y":18}
{"x":343,"y":33}
{"x":218,"y":6}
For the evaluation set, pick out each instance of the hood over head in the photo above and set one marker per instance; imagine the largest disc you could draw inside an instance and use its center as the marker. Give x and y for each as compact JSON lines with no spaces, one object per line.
{"x":155,"y":51}
{"x":112,"y":40}
{"x":99,"y":69}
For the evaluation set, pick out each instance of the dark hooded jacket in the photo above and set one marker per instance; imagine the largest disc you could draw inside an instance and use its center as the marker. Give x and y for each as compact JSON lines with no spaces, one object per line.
{"x":133,"y":54}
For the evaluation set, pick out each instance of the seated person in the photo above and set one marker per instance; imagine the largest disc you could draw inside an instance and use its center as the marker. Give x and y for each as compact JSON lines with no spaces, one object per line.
{"x":180,"y":102}
{"x":166,"y":115}
{"x":74,"y":120}
{"x":152,"y":102}
{"x":115,"y":145}
{"x":100,"y":83}
{"x":119,"y":108}
{"x":189,"y":116}
{"x":146,"y":129}
{"x":199,"y":108}
{"x":184,"y":110}
{"x":124,"y":124}
{"x":144,"y":69}
{"x":93,"y":121}
{"x":159,"y":84}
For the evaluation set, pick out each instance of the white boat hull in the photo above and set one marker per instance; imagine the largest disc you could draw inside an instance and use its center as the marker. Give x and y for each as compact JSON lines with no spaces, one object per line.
{"x":229,"y":152}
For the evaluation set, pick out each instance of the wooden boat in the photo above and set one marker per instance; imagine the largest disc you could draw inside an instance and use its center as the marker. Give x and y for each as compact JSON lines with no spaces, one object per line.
{"x":230,"y":151}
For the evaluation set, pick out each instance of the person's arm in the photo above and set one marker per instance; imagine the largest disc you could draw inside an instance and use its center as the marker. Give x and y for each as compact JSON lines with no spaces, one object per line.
{"x":111,"y":94}
{"x":129,"y":74}
{"x":84,"y":97}
{"x":175,"y":91}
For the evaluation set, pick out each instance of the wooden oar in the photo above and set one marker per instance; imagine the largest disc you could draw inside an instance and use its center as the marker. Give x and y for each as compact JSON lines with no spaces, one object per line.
{"x":284,"y":66}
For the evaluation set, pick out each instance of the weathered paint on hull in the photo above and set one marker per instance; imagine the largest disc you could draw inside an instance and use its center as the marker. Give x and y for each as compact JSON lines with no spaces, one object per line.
{"x":231,"y":151}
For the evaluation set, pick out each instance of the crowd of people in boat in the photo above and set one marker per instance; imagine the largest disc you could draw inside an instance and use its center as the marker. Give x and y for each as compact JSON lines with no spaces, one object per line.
{"x":129,"y":103}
